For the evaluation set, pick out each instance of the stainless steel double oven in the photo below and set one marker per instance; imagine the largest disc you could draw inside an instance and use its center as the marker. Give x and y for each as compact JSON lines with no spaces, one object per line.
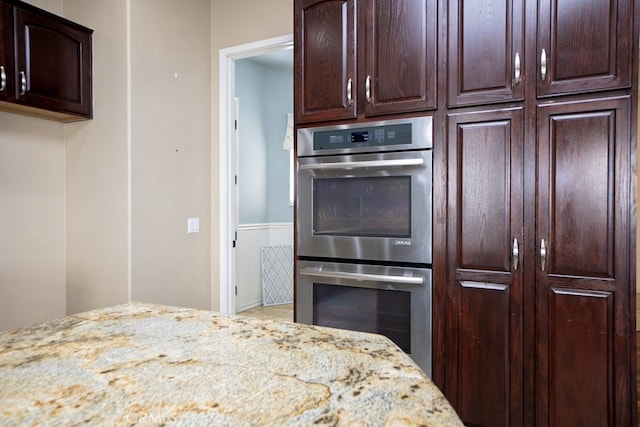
{"x":363,"y":227}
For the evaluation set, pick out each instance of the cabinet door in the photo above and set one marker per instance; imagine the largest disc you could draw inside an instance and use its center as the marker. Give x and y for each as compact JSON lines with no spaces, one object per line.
{"x":583,"y":267}
{"x":485,"y":370}
{"x":6,"y":51}
{"x":325,"y":64}
{"x":53,"y":62}
{"x":584,"y":45}
{"x":486,"y":56}
{"x":400,"y":56}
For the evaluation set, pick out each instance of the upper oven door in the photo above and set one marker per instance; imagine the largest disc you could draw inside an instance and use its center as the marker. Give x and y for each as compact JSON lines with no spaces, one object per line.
{"x":374,"y":207}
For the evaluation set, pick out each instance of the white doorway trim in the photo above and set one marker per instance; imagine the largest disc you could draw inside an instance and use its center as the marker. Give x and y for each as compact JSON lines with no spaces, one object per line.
{"x":226,"y":167}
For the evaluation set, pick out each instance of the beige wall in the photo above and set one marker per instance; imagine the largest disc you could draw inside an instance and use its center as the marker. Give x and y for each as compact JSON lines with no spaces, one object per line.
{"x":141,"y":168}
{"x":127,"y":225}
{"x":235,"y":23}
{"x":170,"y":151}
{"x":32,"y":239}
{"x":95,"y":213}
{"x":32,"y":216}
{"x":97,"y":165}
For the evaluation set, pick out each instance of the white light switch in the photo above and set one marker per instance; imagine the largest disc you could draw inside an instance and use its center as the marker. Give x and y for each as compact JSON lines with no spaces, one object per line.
{"x":193,"y":225}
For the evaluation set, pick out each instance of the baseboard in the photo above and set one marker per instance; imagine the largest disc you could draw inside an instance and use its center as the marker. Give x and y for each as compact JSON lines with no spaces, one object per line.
{"x":249,"y":306}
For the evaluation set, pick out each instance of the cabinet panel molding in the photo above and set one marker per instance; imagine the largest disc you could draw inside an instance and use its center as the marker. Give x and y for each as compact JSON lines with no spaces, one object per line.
{"x":325,"y":67}
{"x":587,"y":45}
{"x":582,"y":150}
{"x":584,"y":227}
{"x":484,"y":341}
{"x":483,"y":198}
{"x":400,"y":56}
{"x":485,"y":51}
{"x":581,"y":344}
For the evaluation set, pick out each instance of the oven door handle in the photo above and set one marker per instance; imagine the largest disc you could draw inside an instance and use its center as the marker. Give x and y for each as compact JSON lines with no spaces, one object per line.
{"x":363,"y":276}
{"x":366,"y":164}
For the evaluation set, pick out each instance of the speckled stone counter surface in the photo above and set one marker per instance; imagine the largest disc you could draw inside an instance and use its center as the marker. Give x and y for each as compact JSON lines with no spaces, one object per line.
{"x":148,"y":364}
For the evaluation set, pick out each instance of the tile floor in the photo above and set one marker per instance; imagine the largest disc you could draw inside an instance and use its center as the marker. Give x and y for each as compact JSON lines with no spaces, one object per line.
{"x":274,"y":312}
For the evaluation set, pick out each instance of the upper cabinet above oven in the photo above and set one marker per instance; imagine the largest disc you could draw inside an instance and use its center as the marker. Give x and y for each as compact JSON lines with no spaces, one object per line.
{"x":366,"y":58}
{"x":45,"y":64}
{"x":581,"y":47}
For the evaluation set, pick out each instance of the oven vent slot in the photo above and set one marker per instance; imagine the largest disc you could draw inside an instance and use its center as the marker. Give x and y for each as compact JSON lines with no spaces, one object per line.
{"x":277,"y":275}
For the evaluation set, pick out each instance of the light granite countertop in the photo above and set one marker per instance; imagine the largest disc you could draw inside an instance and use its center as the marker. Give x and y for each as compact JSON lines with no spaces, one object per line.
{"x":150,"y":364}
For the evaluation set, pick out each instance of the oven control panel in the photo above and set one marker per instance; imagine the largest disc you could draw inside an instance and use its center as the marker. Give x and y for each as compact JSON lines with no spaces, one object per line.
{"x":376,"y":136}
{"x":388,"y":135}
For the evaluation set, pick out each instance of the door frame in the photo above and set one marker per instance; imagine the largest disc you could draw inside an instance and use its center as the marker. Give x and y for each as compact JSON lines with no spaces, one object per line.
{"x":227,"y":161}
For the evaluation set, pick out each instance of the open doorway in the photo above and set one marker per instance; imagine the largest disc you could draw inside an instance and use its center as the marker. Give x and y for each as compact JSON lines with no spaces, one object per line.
{"x":256,"y":87}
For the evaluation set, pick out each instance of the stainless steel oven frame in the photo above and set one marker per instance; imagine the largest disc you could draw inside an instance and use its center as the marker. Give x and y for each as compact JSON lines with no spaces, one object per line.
{"x":390,"y":148}
{"x":416,"y":281}
{"x":373,"y":235}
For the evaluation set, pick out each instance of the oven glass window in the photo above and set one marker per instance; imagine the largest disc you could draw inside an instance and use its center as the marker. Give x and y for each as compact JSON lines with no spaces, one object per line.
{"x":378,"y":311}
{"x":372,"y":206}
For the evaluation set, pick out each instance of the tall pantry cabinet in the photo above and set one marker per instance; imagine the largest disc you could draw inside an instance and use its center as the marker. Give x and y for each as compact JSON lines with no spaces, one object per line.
{"x":535,"y":115}
{"x":541,"y":212}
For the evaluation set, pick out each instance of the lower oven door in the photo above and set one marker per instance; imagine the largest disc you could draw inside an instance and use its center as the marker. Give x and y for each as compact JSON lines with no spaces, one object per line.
{"x":391,"y":301}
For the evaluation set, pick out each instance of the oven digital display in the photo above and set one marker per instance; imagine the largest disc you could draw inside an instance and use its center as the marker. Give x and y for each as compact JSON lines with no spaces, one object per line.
{"x":359,"y":136}
{"x":373,"y":136}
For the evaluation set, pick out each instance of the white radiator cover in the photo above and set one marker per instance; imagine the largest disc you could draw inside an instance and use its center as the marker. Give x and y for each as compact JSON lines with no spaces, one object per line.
{"x":277,"y":275}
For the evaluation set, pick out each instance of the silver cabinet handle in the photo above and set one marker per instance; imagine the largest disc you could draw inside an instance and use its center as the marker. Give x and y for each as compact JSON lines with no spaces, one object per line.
{"x":365,"y":164}
{"x":363,"y":276}
{"x":544,"y":252}
{"x":3,"y":79}
{"x":23,"y":83}
{"x":367,"y":87}
{"x":516,"y":72}
{"x":543,"y":65}
{"x":350,"y":91}
{"x":515,"y":254}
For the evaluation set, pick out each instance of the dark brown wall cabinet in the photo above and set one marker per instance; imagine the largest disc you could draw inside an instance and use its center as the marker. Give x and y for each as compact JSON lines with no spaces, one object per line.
{"x":364,"y":58}
{"x":485,"y":51}
{"x":581,"y":47}
{"x":541,"y":206}
{"x":45,"y":64}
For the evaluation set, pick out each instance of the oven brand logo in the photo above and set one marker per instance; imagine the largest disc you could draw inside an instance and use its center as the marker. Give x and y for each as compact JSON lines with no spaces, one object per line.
{"x":401,"y":242}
